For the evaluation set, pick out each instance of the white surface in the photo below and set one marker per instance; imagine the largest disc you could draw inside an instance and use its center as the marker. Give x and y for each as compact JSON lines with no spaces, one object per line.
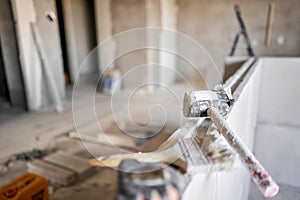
{"x":274,"y":87}
{"x":279,"y":101}
{"x":286,"y":192}
{"x":278,"y":149}
{"x":277,"y":137}
{"x":234,"y":184}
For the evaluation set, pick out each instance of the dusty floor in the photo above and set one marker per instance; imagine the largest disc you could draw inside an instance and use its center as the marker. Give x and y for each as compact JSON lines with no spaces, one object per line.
{"x":48,"y":129}
{"x":286,"y":192}
{"x":102,"y":184}
{"x":6,"y":112}
{"x":37,"y":129}
{"x":45,"y":129}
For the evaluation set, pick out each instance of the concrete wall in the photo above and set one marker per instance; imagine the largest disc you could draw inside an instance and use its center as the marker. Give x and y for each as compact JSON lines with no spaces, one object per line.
{"x":81,"y":35}
{"x":10,"y":57}
{"x":214,"y":25}
{"x":277,"y":137}
{"x":25,"y":13}
{"x":127,"y":15}
{"x":167,"y":61}
{"x":104,"y":31}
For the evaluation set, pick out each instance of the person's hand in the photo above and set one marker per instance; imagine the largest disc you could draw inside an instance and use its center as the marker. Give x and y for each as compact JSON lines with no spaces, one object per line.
{"x":171,"y":191}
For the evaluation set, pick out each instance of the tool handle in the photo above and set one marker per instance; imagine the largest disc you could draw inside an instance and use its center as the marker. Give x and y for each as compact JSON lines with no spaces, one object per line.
{"x":257,"y":172}
{"x":269,"y":23}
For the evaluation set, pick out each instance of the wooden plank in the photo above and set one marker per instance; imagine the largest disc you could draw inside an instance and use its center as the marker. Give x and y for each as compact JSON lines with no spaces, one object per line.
{"x":71,"y":162}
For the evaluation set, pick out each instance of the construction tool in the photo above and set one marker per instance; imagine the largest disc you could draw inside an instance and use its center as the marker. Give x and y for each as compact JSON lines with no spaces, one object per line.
{"x":269,"y":26}
{"x":215,"y":104}
{"x":141,"y":180}
{"x":27,"y":187}
{"x":242,"y":32}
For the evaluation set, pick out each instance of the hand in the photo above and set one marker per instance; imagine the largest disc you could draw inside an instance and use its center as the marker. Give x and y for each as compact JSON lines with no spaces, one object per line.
{"x":171,"y":191}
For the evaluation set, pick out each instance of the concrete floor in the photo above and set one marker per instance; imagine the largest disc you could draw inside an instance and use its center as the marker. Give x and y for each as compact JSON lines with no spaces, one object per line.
{"x":42,"y":129}
{"x":103,"y":185}
{"x":102,"y":181}
{"x":7,"y":112}
{"x":286,"y":192}
{"x":37,"y":129}
{"x":47,"y":129}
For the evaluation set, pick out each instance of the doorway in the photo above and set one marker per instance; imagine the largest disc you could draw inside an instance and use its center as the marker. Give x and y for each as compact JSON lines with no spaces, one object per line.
{"x":12,"y":89}
{"x":4,"y":95}
{"x":63,"y":43}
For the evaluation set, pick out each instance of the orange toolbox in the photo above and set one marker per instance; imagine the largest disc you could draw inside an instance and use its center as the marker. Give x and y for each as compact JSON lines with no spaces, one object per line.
{"x":27,"y":187}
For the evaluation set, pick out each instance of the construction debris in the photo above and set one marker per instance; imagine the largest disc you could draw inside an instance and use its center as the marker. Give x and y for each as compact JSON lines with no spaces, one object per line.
{"x":53,"y":173}
{"x":71,"y":162}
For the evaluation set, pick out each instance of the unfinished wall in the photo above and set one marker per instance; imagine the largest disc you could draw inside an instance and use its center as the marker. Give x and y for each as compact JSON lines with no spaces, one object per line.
{"x":10,"y":57}
{"x":127,"y":15}
{"x":80,"y":30}
{"x":167,"y":61}
{"x":277,"y":137}
{"x":25,"y":13}
{"x":104,"y":32}
{"x":213,"y":24}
